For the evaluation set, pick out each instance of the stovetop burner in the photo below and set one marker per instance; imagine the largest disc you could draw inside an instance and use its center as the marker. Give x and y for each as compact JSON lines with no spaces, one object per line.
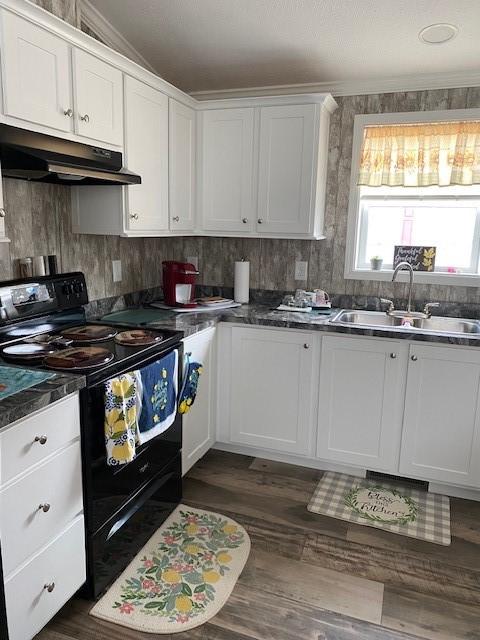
{"x":138,"y":337}
{"x":89,"y":333}
{"x":27,"y":352}
{"x":79,"y":358}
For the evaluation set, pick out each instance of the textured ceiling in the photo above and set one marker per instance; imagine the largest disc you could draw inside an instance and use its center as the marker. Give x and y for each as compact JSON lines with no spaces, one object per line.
{"x":224,"y":44}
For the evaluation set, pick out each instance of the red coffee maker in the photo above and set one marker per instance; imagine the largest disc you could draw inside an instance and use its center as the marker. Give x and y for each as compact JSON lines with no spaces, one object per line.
{"x":179,"y":283}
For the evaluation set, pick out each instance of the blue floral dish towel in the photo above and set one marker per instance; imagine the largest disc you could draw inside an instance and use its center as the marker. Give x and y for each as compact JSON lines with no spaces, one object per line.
{"x":192,"y":373}
{"x":159,"y":397}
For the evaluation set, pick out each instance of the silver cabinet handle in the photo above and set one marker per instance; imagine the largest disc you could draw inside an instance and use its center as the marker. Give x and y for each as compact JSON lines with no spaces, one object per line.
{"x":85,"y":118}
{"x":414,"y":358}
{"x":3,"y":213}
{"x":260,"y":221}
{"x":41,"y":439}
{"x":68,"y":113}
{"x":44,"y":507}
{"x":244,"y":220}
{"x":176,"y":218}
{"x":393,"y":356}
{"x":306,"y":345}
{"x":134,"y":216}
{"x":49,"y":586}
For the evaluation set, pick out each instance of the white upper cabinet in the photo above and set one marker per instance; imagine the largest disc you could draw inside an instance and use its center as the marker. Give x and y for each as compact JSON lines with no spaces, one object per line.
{"x":441,"y":429}
{"x":47,"y":82}
{"x":36,"y":74}
{"x":264,"y":166}
{"x":362,"y":383}
{"x":287,"y":169}
{"x":182,"y":163}
{"x":146,"y":153}
{"x":98,"y":99}
{"x":227,"y":170}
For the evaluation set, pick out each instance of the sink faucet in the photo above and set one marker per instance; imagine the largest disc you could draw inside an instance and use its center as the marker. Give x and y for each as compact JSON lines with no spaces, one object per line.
{"x":408,"y":267}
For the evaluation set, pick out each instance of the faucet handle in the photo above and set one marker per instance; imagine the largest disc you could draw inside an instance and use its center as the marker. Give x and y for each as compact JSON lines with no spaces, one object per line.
{"x":429,"y":306}
{"x":388,"y":302}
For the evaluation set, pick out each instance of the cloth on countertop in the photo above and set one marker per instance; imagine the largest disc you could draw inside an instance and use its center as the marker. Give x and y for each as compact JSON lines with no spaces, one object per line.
{"x":121,"y":415}
{"x":159,"y":397}
{"x":192,"y":373}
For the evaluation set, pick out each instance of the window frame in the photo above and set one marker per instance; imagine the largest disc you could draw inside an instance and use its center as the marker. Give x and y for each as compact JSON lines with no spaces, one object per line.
{"x":352,"y":272}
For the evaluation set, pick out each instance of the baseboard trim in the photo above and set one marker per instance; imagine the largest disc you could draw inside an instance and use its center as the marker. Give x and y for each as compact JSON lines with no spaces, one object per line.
{"x":323,"y":465}
{"x":300,"y":461}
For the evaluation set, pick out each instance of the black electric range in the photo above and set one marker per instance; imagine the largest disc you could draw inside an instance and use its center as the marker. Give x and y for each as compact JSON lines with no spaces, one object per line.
{"x":43,"y":324}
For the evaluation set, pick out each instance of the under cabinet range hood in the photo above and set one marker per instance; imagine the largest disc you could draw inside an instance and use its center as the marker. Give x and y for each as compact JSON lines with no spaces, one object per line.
{"x":27,"y":155}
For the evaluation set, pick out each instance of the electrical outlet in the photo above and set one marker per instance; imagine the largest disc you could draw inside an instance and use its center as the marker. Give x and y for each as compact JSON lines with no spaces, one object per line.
{"x":301,"y":270}
{"x":193,"y":260}
{"x":117,"y":270}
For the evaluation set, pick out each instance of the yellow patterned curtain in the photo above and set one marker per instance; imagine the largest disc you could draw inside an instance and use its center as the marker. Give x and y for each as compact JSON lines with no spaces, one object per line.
{"x":420,"y":155}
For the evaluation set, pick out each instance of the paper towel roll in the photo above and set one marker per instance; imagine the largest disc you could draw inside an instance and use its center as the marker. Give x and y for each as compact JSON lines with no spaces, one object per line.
{"x":241,"y":288}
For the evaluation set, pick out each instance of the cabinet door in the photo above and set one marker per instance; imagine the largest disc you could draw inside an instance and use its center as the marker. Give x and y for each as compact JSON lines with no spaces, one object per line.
{"x":286,"y":169}
{"x":98,"y":99}
{"x":182,"y":166}
{"x":36,"y":74}
{"x":62,"y":563}
{"x":271,"y":389}
{"x":3,"y":213}
{"x":146,"y":150}
{"x":198,"y":427}
{"x":360,"y":402}
{"x":441,"y":431}
{"x":227,"y":170}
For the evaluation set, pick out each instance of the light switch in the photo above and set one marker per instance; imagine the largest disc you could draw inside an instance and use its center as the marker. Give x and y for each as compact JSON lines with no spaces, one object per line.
{"x":301,"y":270}
{"x":117,"y":270}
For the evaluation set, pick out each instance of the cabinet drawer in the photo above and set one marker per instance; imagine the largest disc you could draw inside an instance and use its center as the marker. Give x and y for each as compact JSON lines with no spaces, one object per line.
{"x":25,"y":527}
{"x":56,"y":425}
{"x":29,"y":605}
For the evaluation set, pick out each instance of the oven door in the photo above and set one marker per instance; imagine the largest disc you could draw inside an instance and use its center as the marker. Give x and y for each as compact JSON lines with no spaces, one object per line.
{"x":108,"y":488}
{"x":116,"y":543}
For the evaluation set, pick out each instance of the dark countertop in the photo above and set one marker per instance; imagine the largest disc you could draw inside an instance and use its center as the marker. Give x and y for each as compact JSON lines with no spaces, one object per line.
{"x":23,"y":403}
{"x":264,"y":315}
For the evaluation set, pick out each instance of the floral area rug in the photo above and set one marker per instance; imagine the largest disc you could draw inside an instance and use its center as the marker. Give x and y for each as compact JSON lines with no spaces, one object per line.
{"x":182,"y":577}
{"x":395,"y":508}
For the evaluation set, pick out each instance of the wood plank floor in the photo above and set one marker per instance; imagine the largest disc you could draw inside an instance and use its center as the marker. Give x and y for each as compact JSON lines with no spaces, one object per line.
{"x":316,"y":578}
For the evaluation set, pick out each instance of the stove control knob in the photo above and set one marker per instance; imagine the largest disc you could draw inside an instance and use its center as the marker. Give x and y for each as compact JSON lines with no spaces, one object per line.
{"x":78,"y":287}
{"x":67,"y":289}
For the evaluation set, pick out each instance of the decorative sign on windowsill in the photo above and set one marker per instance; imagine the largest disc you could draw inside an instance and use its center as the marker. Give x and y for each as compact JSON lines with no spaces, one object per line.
{"x":421,"y":258}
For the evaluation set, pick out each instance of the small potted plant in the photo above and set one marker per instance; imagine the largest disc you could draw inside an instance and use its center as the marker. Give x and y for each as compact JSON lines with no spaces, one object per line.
{"x":376,"y":262}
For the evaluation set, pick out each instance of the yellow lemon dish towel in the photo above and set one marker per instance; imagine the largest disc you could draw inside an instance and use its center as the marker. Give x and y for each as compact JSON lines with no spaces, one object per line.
{"x":121,"y":418}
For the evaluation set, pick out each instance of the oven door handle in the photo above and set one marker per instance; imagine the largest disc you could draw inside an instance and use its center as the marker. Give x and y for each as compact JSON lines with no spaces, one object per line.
{"x":146,"y":494}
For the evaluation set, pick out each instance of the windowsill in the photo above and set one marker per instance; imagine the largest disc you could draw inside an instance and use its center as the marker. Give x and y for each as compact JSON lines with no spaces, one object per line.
{"x":385,"y":275}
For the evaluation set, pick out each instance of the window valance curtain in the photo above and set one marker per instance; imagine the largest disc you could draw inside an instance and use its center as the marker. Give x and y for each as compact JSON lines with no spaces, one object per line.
{"x":420,"y":155}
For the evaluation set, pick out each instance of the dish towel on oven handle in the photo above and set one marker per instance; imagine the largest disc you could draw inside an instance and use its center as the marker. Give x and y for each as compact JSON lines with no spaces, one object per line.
{"x":159,"y":397}
{"x":192,"y":373}
{"x":121,"y":418}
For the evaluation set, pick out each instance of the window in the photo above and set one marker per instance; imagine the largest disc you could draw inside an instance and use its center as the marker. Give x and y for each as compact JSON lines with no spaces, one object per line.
{"x":446,"y":217}
{"x":408,"y":216}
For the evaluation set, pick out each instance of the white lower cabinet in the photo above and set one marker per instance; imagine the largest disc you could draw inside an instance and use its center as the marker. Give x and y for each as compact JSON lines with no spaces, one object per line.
{"x":269,"y":397}
{"x":441,"y":430}
{"x":41,"y":516}
{"x":40,"y":588}
{"x":198,"y":423}
{"x":362,"y":385}
{"x":393,"y":406}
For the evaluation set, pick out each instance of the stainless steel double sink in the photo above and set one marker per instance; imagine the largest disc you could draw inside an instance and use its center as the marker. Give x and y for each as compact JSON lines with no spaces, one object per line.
{"x":434,"y":324}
